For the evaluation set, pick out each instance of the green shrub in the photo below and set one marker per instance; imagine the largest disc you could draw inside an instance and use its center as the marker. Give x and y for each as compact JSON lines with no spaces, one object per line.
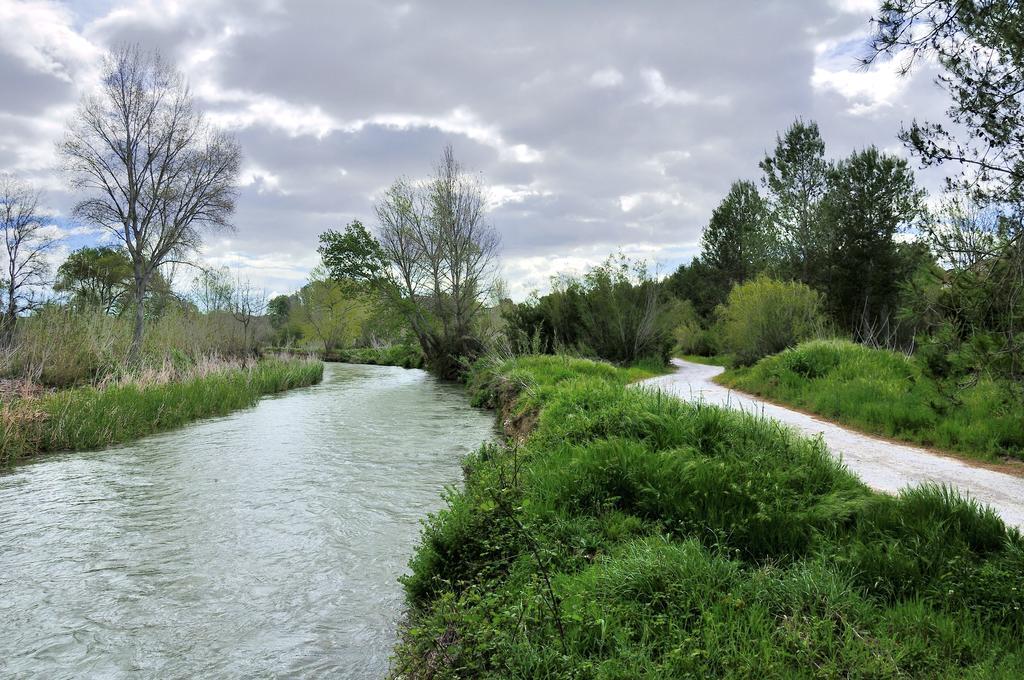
{"x":691,"y":337}
{"x":765,"y":316}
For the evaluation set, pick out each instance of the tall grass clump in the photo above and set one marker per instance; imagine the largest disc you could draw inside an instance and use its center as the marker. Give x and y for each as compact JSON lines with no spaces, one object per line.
{"x":133,"y":406}
{"x":624,"y":534}
{"x":888,"y":393}
{"x":61,"y":347}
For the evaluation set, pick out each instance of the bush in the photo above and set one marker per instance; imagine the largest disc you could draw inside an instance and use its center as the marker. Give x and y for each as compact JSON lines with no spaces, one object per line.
{"x":691,"y":337}
{"x":617,"y":312}
{"x":765,"y":316}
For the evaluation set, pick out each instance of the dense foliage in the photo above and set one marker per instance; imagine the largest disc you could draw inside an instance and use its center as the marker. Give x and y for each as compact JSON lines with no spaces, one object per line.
{"x":617,"y":311}
{"x":638,"y":536}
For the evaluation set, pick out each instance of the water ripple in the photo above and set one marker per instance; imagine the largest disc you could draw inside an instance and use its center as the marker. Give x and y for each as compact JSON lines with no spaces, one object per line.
{"x":265,"y":543}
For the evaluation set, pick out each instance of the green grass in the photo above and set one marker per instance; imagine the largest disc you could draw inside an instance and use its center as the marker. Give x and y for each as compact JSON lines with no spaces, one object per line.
{"x":887,"y":393}
{"x":405,"y":356}
{"x":635,"y":536}
{"x":90,"y":418}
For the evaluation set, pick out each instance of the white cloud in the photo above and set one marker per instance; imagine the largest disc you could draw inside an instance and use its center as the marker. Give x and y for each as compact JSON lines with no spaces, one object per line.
{"x":460,"y":121}
{"x":836,"y":69}
{"x":661,"y":93}
{"x":628,"y":202}
{"x":608,"y":77}
{"x":264,"y":180}
{"x":41,"y":35}
{"x":501,"y":194}
{"x":864,"y":7}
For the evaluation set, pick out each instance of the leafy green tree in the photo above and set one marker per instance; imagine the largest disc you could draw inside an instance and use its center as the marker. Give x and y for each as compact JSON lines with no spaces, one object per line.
{"x":546,"y":324}
{"x":796,"y":176}
{"x":739,"y":241}
{"x":278,"y":310}
{"x":213,"y":290}
{"x":99,"y":278}
{"x":352,"y":255}
{"x":330,"y":311}
{"x":980,"y":46}
{"x":871,"y":197}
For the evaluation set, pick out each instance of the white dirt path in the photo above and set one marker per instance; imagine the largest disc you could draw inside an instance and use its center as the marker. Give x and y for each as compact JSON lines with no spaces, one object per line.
{"x":882,"y":465}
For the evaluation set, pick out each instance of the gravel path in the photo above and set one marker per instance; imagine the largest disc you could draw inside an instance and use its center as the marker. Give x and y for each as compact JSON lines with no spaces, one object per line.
{"x":882,"y":465}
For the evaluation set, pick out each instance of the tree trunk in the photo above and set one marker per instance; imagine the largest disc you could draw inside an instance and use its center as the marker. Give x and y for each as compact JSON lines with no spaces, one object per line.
{"x":135,"y":351}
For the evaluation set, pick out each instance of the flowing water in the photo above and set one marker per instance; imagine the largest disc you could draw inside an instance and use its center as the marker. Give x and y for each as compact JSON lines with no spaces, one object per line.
{"x":266,"y":543}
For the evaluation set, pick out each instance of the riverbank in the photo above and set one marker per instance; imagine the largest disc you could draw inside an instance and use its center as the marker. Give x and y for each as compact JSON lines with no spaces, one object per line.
{"x":888,"y":394}
{"x":635,"y":535}
{"x":405,"y":356}
{"x":93,"y":417}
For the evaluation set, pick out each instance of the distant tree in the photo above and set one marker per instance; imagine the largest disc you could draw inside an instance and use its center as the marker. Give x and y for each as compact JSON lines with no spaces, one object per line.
{"x":161,"y":296}
{"x":352,"y":255}
{"x":25,"y":247}
{"x":330,"y":310}
{"x":434,"y":260}
{"x":278,"y":310}
{"x":704,"y":286}
{"x":796,"y":176}
{"x":739,"y":241}
{"x":871,"y":197}
{"x":621,"y":312}
{"x":213,"y":290}
{"x":248,"y":303}
{"x":98,"y":278}
{"x":155,"y":173}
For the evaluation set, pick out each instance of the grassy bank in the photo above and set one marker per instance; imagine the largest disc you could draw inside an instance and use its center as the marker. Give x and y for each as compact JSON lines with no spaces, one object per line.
{"x":634,"y":536}
{"x":93,"y":417}
{"x":887,"y":393}
{"x":405,"y":356}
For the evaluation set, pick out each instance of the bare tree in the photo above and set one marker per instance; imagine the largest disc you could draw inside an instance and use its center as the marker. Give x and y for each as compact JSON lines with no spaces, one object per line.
{"x":442,"y":254}
{"x":25,"y":246}
{"x":248,"y":304}
{"x":154,"y":172}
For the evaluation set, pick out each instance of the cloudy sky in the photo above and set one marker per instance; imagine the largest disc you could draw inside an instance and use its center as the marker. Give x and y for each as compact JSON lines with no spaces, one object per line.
{"x":597,"y":125}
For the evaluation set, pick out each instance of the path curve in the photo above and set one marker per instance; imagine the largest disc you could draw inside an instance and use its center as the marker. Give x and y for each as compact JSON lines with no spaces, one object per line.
{"x":882,"y":464}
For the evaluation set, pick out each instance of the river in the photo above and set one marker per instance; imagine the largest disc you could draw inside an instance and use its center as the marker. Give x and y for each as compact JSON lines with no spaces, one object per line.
{"x":266,"y":543}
